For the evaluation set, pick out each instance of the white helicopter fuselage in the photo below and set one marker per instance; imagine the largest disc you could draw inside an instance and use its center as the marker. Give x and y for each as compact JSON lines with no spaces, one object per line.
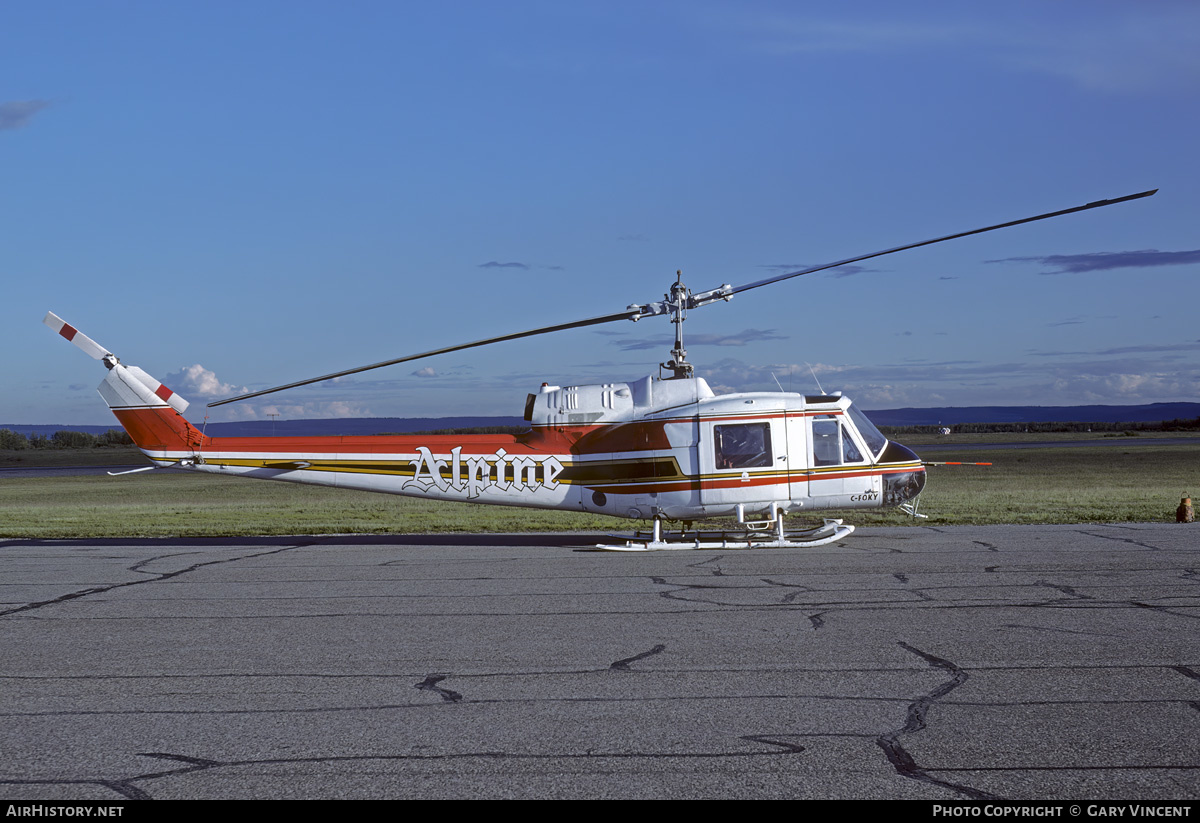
{"x":654,"y":448}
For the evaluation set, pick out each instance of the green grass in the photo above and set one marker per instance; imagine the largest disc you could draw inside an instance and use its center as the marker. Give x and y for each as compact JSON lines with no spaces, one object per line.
{"x":156,"y":504}
{"x":1038,"y":437}
{"x":1087,"y":484}
{"x":1125,"y":483}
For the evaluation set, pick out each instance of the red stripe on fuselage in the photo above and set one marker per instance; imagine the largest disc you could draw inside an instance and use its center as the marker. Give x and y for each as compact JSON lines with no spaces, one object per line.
{"x":162,"y":428}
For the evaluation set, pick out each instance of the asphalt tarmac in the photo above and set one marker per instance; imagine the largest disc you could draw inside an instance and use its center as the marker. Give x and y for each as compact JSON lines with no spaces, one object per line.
{"x":942,"y":663}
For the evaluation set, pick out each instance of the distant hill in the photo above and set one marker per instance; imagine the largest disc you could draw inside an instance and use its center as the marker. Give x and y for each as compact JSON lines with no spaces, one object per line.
{"x":946,"y":416}
{"x":956,"y":415}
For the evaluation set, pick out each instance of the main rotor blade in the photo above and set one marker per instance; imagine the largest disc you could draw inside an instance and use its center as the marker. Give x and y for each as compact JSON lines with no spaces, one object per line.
{"x":636,"y":312}
{"x":1097,"y":204}
{"x":627,"y":314}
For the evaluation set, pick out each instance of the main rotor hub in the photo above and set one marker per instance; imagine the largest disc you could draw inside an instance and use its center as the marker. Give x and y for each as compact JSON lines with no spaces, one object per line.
{"x":677,"y":302}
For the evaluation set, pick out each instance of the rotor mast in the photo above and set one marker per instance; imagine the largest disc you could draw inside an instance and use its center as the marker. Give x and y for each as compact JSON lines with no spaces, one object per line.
{"x":676,"y":302}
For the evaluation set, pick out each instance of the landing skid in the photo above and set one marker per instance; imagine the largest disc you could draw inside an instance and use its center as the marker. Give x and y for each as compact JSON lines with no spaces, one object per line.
{"x":751,"y":538}
{"x":910,"y":508}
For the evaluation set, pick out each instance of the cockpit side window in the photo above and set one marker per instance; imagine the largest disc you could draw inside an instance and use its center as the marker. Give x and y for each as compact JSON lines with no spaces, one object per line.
{"x":872,"y":436}
{"x":850,"y":453}
{"x":833,"y":444}
{"x":744,"y":446}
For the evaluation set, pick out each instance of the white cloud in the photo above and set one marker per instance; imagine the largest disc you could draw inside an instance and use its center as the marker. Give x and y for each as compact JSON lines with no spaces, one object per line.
{"x":198,"y":381}
{"x":319,"y":410}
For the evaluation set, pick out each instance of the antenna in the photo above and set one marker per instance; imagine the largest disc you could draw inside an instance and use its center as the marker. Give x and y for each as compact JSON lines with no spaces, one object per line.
{"x":814,"y":375}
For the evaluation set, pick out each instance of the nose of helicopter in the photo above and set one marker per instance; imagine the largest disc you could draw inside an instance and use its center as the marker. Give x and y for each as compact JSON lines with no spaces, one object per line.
{"x":900,"y":487}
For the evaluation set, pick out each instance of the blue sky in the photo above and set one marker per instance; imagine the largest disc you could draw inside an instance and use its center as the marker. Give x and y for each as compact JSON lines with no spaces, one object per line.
{"x":244,"y":194}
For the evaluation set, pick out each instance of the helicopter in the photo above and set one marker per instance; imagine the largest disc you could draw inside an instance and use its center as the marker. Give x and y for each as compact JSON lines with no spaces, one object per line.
{"x":658,"y":449}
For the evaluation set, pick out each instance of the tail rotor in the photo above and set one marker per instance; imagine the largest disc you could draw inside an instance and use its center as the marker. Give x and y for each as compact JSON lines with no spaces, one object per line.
{"x":126,"y":385}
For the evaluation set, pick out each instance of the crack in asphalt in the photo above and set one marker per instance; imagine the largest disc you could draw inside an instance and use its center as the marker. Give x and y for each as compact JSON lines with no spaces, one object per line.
{"x":1187,"y":672}
{"x":157,"y":578}
{"x":914,"y":722}
{"x":1162,"y":610}
{"x":678,"y":588}
{"x":1067,"y":590}
{"x":191,"y":765}
{"x":797,"y":589}
{"x":716,"y":569}
{"x":429,"y":684}
{"x":623,"y":665}
{"x":1054,"y":629}
{"x":121,"y":787}
{"x":137,"y":567}
{"x":1129,"y":540}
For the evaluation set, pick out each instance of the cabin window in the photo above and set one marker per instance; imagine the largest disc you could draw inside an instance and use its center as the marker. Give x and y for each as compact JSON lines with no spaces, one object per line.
{"x":826,"y":440}
{"x":744,"y":446}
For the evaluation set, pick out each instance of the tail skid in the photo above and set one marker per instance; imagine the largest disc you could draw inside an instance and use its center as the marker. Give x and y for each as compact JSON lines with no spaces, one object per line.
{"x":150,"y":412}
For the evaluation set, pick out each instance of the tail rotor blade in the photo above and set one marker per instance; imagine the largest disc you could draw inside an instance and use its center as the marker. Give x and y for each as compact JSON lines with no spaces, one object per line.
{"x":89,"y":346}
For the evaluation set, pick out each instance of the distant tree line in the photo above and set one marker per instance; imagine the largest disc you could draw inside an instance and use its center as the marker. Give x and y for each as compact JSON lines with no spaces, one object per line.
{"x":477,"y":430}
{"x":1073,"y":426}
{"x":12,"y":441}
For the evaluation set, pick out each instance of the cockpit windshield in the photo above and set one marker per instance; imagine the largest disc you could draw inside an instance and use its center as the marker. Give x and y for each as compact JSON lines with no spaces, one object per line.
{"x":872,"y":436}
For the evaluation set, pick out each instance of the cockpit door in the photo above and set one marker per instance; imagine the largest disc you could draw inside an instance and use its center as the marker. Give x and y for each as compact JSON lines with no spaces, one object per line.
{"x":839,"y":465}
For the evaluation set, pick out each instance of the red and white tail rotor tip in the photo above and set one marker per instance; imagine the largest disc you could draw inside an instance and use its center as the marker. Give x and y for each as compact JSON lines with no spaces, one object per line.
{"x":87,"y":344}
